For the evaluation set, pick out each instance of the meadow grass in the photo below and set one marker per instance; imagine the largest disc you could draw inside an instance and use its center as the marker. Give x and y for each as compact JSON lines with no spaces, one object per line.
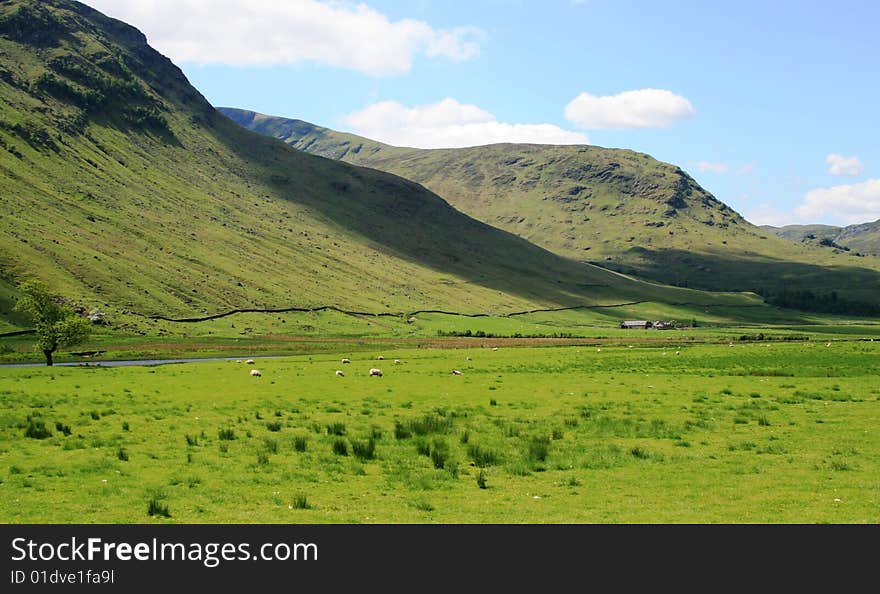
{"x":621,"y":435}
{"x":303,"y":333}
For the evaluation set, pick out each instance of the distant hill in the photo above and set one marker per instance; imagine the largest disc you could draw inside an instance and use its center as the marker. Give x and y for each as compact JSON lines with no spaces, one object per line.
{"x":863,"y":238}
{"x":616,"y":208}
{"x":123,"y":188}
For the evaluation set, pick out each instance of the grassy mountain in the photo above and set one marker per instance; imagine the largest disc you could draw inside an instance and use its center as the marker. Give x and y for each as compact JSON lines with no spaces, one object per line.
{"x":616,"y":208}
{"x":863,"y":238}
{"x":123,"y":188}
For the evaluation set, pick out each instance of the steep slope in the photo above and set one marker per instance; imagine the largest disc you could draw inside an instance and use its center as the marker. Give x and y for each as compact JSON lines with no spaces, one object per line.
{"x":617,"y":208}
{"x":863,"y":238}
{"x":123,"y":188}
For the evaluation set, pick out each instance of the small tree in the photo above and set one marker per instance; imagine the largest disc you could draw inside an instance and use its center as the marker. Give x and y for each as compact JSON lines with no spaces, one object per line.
{"x":56,"y":325}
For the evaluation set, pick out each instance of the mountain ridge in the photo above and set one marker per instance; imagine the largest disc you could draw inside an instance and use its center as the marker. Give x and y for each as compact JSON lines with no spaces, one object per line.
{"x":131,"y":193}
{"x":863,"y":238}
{"x":615,"y":208}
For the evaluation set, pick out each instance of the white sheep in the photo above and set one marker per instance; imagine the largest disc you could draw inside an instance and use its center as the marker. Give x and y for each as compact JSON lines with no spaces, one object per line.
{"x":397,"y":361}
{"x":339,"y":373}
{"x":346,"y":360}
{"x":469,"y":359}
{"x":380,"y":358}
{"x":456,"y":372}
{"x":249,"y":362}
{"x":256,"y":373}
{"x":374,"y":371}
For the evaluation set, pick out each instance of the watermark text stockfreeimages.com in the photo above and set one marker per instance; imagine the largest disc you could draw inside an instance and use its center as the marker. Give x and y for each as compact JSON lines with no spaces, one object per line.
{"x":210,"y":554}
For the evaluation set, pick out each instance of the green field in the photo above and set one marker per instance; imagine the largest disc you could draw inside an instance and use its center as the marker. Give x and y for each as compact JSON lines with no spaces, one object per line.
{"x":294,"y":333}
{"x":672,"y":432}
{"x":125,"y":191}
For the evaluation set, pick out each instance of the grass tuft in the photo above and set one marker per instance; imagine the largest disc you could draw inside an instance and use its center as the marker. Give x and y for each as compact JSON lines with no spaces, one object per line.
{"x":401,"y":431}
{"x":340,"y":447}
{"x":538,"y":449}
{"x":364,"y":451}
{"x":157,"y":508}
{"x":639,"y":453}
{"x":336,"y":429}
{"x":481,"y":456}
{"x":270,"y":445}
{"x":440,"y":454}
{"x":37,"y":430}
{"x":430,"y":424}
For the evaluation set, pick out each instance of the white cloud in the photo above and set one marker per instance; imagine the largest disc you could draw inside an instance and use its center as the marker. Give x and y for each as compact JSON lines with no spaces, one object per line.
{"x":747,"y":168}
{"x":846,"y":204}
{"x":449,"y":124}
{"x":767,"y":214}
{"x":838,"y":205}
{"x":244,"y":32}
{"x":709,"y":167}
{"x":840,"y":165}
{"x":644,"y":108}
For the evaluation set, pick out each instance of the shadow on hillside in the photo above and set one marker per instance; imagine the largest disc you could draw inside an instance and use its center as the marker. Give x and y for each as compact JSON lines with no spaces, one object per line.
{"x":759,"y":274}
{"x":404,"y":218}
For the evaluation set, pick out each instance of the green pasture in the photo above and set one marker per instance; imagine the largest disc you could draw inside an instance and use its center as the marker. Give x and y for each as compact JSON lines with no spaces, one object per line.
{"x":670,"y":433}
{"x":295,"y":333}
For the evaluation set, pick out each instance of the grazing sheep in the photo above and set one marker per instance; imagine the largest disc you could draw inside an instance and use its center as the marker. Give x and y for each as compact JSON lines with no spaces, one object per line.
{"x":397,"y":361}
{"x":469,"y":359}
{"x":346,"y":360}
{"x":380,"y":358}
{"x":256,"y":373}
{"x":249,"y":362}
{"x":677,"y":352}
{"x":339,"y":373}
{"x":494,"y":348}
{"x":456,"y":372}
{"x":375,"y":371}
{"x":828,"y":345}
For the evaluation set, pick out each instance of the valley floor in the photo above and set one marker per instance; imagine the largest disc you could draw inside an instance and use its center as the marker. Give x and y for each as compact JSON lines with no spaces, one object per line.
{"x":731,"y":432}
{"x":298,"y":333}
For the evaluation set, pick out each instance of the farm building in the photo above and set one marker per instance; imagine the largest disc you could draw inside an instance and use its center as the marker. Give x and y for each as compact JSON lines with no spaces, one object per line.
{"x":635,"y":324}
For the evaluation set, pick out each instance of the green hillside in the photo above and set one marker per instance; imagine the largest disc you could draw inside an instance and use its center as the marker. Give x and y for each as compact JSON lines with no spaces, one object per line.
{"x":616,"y":208}
{"x":863,"y":238}
{"x":123,"y":188}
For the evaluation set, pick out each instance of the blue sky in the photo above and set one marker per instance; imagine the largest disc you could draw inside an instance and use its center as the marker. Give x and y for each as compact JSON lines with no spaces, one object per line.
{"x":771,"y":106}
